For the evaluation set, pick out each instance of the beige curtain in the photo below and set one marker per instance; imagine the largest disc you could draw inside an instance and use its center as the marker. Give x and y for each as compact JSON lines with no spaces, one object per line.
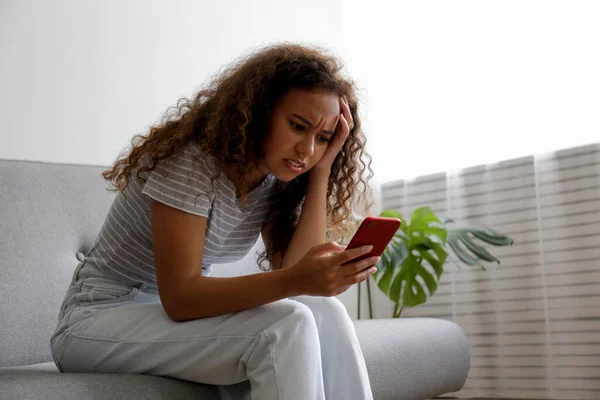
{"x":533,"y":322}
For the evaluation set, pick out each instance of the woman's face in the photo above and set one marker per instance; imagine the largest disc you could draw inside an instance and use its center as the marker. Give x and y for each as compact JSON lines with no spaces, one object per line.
{"x":300,"y":128}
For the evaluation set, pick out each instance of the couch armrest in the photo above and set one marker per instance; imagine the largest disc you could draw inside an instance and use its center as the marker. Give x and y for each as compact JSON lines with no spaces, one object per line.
{"x":413,"y":358}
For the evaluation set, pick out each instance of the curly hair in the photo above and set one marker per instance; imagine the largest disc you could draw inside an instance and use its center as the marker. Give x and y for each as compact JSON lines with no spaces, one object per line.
{"x":229,"y":119}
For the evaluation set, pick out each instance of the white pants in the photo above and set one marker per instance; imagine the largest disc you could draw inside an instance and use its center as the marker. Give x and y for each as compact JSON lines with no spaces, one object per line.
{"x":303,"y":348}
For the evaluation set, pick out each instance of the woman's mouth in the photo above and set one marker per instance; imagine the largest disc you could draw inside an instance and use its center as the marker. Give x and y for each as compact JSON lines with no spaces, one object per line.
{"x":295,"y":165}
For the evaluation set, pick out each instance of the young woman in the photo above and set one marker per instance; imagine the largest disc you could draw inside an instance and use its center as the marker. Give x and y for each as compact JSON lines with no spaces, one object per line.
{"x":273,"y":145}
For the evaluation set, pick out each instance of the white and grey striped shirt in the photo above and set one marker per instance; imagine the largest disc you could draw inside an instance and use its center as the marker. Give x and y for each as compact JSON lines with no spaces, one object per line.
{"x":123,"y":248}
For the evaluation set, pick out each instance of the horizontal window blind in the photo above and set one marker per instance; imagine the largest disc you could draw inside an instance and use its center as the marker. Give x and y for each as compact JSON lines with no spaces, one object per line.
{"x":532,"y":322}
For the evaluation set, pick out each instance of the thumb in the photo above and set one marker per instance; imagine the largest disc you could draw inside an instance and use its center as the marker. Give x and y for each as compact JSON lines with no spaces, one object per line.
{"x":326,"y":248}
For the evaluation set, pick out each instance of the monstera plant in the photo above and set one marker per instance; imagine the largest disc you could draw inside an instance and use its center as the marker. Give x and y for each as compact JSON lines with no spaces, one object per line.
{"x":420,"y":248}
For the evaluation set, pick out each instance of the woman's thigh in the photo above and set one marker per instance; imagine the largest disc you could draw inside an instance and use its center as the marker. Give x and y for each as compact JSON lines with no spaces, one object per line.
{"x":141,"y":338}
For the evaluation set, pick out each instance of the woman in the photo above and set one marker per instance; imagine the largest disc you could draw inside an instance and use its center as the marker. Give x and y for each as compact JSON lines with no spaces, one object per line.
{"x":273,"y":145}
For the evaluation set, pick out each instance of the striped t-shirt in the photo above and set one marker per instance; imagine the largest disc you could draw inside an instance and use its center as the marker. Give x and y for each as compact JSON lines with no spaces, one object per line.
{"x":123,"y":248}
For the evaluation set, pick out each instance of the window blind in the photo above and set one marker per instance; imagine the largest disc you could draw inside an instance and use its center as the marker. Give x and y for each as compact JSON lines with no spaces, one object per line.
{"x":532,"y":322}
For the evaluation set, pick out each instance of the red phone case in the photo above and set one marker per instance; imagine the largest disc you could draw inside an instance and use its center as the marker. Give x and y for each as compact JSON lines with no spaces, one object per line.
{"x":375,"y":231}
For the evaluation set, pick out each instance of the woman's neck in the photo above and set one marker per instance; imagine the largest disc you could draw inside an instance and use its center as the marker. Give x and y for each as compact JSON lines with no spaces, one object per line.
{"x":253,"y":179}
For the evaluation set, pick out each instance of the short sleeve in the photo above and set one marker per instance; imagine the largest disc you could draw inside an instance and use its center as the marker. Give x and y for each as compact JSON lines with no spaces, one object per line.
{"x":181,"y":182}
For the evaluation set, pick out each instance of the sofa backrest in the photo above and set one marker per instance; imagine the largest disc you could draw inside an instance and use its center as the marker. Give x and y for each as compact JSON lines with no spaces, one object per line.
{"x":48,"y":213}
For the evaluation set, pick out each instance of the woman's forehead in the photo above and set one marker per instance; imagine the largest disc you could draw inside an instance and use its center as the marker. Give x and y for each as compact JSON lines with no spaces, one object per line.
{"x":317,"y":104}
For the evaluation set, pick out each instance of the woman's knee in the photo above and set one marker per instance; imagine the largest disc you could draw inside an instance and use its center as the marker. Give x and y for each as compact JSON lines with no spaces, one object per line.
{"x":288,"y":316}
{"x":327,"y":307}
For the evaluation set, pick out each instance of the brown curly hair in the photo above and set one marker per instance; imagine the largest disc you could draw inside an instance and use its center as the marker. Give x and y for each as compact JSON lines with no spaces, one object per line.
{"x":229,"y":120}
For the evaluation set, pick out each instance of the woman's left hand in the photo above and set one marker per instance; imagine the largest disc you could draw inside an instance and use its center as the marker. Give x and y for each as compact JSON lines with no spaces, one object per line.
{"x":342,"y":129}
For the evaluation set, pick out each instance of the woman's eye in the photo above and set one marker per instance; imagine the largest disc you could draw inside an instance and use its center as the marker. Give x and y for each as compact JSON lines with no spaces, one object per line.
{"x":323,"y":139}
{"x":296,"y":126}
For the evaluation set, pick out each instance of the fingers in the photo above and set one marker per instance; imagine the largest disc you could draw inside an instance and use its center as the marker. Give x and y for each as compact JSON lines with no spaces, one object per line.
{"x":363,"y":272}
{"x":326,"y":248}
{"x":359,"y":277}
{"x":358,"y":266}
{"x":346,"y":125}
{"x":351,"y":254}
{"x":347,"y":116}
{"x":341,"y":133}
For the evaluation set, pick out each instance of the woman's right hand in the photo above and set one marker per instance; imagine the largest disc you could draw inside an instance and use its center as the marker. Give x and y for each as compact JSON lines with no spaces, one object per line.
{"x":322,"y":273}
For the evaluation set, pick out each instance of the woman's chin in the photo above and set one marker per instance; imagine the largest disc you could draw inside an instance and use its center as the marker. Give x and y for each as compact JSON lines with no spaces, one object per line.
{"x":282,"y":174}
{"x":285,"y":177}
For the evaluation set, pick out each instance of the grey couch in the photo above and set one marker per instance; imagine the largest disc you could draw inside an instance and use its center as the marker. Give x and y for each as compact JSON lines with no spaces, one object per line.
{"x":50,"y":213}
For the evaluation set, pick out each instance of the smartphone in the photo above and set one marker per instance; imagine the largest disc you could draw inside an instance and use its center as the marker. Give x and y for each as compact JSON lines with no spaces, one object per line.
{"x":374,"y":231}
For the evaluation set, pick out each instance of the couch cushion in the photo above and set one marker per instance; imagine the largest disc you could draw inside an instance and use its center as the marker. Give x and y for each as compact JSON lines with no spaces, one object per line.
{"x":48,"y":214}
{"x":43,"y":381}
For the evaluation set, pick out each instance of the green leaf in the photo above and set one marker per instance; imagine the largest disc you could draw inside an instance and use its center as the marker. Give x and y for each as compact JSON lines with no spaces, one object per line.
{"x":394,"y":293}
{"x":469,"y":252}
{"x":412,"y":299}
{"x":492,"y":237}
{"x":400,"y":234}
{"x":387,"y":266}
{"x":399,"y":251}
{"x":425,"y":239}
{"x":478,"y":250}
{"x":436,"y":263}
{"x":462,"y":253}
{"x":391,"y":214}
{"x":440,"y":252}
{"x":424,"y":216}
{"x":413,"y":293}
{"x":382,"y":264}
{"x":420,"y":241}
{"x":409,"y":297}
{"x":394,"y":214}
{"x":428,"y":279}
{"x":441,"y":233}
{"x":386,"y":280}
{"x":426,"y":223}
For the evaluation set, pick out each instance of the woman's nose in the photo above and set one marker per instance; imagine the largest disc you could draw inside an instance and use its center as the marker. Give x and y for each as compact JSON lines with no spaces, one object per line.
{"x":306,"y":146}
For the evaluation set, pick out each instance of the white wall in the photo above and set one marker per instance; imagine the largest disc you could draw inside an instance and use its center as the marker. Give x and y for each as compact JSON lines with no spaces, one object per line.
{"x":457,"y":83}
{"x":480,"y":80}
{"x":80,"y":78}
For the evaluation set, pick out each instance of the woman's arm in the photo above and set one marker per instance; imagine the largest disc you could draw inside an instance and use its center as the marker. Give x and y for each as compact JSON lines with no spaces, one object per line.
{"x":310,"y":230}
{"x":178,"y":240}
